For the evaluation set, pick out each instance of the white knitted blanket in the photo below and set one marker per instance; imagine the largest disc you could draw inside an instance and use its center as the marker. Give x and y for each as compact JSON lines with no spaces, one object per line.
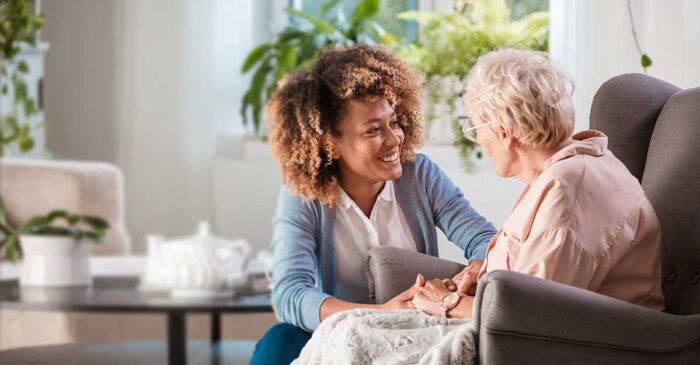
{"x":367,"y":336}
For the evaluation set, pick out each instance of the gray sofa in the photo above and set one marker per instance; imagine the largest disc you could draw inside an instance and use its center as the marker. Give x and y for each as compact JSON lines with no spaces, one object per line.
{"x":654,"y":128}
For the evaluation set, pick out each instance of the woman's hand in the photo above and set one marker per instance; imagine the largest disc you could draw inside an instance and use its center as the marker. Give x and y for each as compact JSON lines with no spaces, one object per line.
{"x":465,"y":281}
{"x":429,"y":297}
{"x":403,"y":300}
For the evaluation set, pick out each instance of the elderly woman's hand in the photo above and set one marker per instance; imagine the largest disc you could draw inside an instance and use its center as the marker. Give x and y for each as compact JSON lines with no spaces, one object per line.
{"x":465,"y":281}
{"x":429,"y":297}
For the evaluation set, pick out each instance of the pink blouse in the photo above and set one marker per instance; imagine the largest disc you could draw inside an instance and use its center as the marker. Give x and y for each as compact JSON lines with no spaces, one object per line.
{"x":586,"y":222}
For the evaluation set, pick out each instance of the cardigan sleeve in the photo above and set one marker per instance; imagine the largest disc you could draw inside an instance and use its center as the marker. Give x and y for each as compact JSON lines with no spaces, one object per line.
{"x":453,"y":214}
{"x":295,"y":297}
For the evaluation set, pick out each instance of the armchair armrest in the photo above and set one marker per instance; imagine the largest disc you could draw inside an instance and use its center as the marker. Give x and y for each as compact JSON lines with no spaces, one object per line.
{"x":523,"y":318}
{"x":392,"y":270}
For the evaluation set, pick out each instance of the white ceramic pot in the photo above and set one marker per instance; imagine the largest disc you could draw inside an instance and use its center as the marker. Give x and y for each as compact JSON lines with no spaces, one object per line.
{"x":54,"y":261}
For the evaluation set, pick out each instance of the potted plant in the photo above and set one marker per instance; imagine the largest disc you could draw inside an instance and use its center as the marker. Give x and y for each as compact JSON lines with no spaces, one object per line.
{"x":54,"y":247}
{"x":450,"y":44}
{"x":19,"y":30}
{"x":300,"y":44}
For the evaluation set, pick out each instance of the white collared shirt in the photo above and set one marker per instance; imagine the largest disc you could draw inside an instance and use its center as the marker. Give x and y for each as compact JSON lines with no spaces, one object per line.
{"x":355,"y":234}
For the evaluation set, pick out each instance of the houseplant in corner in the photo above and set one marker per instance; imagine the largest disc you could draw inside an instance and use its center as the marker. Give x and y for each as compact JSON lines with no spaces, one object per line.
{"x":20,"y":116}
{"x":54,"y":247}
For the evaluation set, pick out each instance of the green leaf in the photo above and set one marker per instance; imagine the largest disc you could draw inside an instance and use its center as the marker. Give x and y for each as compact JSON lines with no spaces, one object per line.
{"x":23,"y":67}
{"x":13,"y":52}
{"x":37,"y":222}
{"x":290,"y":34}
{"x":384,"y":36}
{"x":256,"y":89}
{"x":254,"y":56}
{"x":286,"y":61}
{"x":319,"y":24}
{"x":54,"y":214}
{"x":3,"y":217}
{"x":11,"y":247}
{"x":26,"y":145}
{"x":96,"y":223}
{"x":24,"y":131}
{"x":646,"y":61}
{"x":52,"y":231}
{"x":73,"y":219}
{"x":328,"y":6}
{"x":364,"y":11}
{"x":29,"y":107}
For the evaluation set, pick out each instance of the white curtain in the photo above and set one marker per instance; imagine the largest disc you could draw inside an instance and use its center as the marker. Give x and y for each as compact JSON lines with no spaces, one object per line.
{"x":592,"y":40}
{"x":179,"y":91}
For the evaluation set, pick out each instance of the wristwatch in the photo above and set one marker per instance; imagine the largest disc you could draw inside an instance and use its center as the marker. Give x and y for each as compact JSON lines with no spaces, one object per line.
{"x":449,"y":301}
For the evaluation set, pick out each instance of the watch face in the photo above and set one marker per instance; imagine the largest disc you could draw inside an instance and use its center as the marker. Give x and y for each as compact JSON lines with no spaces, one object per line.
{"x":450,"y":300}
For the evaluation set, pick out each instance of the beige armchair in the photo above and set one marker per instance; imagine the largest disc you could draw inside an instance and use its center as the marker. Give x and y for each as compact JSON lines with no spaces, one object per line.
{"x":30,"y":187}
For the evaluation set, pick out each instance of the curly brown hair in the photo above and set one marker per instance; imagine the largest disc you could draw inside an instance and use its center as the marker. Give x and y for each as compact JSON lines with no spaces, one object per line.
{"x":306,"y":110}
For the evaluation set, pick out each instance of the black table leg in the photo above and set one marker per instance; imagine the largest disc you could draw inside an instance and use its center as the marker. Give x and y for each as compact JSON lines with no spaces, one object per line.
{"x":177,"y":339}
{"x":215,"y":338}
{"x":215,"y":328}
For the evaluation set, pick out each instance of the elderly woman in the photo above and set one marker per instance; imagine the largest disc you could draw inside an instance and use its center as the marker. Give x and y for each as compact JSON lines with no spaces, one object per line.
{"x":345,"y":134}
{"x":582,"y":218}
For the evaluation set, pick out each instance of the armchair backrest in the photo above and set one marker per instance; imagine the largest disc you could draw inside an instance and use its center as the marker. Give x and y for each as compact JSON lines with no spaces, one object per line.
{"x":654,"y":129}
{"x":31,"y":187}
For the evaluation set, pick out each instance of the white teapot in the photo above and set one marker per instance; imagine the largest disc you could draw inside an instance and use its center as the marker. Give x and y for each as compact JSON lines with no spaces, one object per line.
{"x":202,"y":265}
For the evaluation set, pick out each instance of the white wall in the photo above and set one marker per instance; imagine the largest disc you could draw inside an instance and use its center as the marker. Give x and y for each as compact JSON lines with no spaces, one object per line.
{"x":149,"y":85}
{"x":153,"y":86}
{"x":79,"y":73}
{"x":592,"y":40}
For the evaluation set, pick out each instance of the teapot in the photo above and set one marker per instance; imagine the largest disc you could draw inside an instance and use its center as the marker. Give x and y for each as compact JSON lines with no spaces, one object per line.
{"x":200,"y":266}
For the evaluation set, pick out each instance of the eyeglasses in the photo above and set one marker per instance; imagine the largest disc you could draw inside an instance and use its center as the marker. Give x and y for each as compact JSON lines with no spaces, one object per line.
{"x":470,"y":130}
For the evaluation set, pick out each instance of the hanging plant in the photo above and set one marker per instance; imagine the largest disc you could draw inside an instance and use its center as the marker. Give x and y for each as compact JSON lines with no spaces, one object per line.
{"x":19,"y":27}
{"x":645,"y":60}
{"x":450,"y":44}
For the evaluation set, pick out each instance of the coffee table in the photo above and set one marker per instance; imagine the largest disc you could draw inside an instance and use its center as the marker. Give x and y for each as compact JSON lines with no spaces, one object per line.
{"x":121,"y":294}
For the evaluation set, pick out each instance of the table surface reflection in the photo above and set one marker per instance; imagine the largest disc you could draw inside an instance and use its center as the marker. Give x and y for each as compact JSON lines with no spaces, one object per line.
{"x":122,"y":294}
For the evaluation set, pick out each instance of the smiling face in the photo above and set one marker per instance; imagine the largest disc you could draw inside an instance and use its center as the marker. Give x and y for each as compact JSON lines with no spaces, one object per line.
{"x":369,"y":145}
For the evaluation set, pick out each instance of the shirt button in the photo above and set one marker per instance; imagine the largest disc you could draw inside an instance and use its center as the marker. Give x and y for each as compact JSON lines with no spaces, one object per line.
{"x":671,"y":278}
{"x":696,"y":279}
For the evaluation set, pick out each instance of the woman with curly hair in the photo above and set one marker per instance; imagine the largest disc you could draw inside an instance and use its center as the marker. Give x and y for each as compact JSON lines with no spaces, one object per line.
{"x":345,"y":134}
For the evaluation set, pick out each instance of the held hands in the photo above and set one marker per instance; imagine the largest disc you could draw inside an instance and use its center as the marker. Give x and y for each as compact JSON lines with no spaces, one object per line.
{"x":427,"y":296}
{"x":465,"y":281}
{"x":403,"y":300}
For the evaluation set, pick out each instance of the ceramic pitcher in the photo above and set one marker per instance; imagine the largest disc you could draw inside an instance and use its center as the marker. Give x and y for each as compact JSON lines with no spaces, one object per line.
{"x":202,"y":265}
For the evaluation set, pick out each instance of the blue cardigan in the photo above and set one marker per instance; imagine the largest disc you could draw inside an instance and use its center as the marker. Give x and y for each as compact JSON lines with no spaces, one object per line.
{"x":304,"y":237}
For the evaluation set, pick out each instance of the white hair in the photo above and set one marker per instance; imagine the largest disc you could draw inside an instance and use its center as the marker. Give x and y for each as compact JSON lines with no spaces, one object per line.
{"x":523,"y":90}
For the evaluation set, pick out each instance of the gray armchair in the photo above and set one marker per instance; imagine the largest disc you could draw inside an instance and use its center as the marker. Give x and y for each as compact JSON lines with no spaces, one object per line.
{"x":654,"y":128}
